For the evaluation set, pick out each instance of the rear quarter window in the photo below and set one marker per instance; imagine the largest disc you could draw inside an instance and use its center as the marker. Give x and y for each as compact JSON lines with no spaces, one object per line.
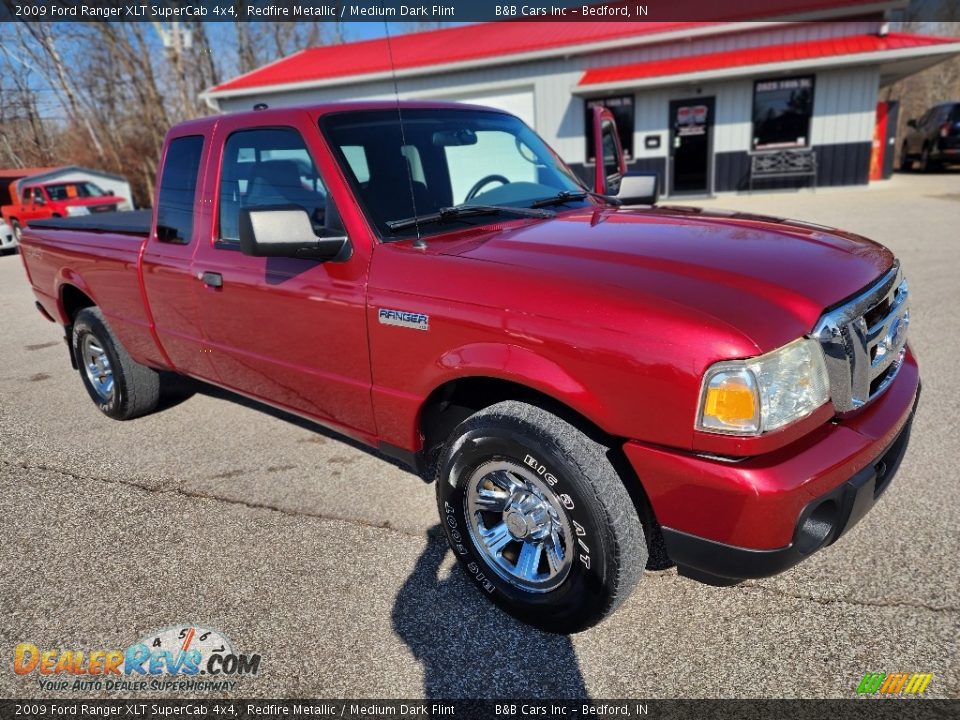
{"x":178,"y":190}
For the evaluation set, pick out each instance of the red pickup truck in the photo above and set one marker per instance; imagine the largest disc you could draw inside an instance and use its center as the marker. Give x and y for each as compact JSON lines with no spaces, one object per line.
{"x":65,"y":198}
{"x":595,"y":390}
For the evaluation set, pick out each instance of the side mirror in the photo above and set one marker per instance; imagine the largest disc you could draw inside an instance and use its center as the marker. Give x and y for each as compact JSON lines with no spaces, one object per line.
{"x":286,"y":231}
{"x":912,"y":122}
{"x":639,"y":188}
{"x":611,"y":165}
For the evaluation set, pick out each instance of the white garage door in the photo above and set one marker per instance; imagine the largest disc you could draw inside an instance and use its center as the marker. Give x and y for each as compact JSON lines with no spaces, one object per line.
{"x":515,"y":102}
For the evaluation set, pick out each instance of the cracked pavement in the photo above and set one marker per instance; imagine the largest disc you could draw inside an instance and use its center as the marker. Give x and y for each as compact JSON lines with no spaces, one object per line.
{"x":326,"y":559}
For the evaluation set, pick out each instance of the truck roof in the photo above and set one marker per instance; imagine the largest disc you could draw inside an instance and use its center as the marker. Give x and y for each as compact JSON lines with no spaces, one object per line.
{"x":317,"y":110}
{"x":62,"y":181}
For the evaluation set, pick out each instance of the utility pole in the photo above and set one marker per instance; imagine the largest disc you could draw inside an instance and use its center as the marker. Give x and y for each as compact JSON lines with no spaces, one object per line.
{"x":175,"y":40}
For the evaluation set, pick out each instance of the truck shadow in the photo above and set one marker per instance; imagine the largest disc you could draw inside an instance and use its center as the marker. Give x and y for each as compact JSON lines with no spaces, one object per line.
{"x":175,"y":389}
{"x":179,"y":388}
{"x":468,"y":647}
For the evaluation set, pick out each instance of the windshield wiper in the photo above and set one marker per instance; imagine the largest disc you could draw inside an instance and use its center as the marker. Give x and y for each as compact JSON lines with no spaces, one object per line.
{"x":463,"y":211}
{"x":565,"y":196}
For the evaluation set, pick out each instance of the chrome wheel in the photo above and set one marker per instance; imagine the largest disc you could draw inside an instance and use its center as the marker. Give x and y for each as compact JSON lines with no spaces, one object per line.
{"x":96,"y":364}
{"x":518,"y":524}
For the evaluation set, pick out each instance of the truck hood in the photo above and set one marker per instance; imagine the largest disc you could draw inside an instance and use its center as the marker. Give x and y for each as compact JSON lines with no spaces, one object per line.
{"x":769,"y":278}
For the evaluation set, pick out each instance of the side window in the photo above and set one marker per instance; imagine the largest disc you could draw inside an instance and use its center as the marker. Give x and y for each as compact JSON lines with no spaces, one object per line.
{"x":38,"y":196}
{"x":356,"y":157}
{"x":178,"y":189}
{"x":611,"y":165}
{"x":272,"y":166}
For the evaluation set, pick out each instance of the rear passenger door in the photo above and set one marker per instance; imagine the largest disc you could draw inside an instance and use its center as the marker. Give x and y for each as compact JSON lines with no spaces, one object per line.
{"x":290,"y":331}
{"x":180,"y":217}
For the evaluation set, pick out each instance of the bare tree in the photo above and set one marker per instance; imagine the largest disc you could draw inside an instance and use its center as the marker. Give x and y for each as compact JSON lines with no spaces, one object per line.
{"x":105,"y":94}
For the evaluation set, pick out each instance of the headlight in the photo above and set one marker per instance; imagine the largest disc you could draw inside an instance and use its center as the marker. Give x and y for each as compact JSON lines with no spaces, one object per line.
{"x":750,"y":397}
{"x":74,"y":210}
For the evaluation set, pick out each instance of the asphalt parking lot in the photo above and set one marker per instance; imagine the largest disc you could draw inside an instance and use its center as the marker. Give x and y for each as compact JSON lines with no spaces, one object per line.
{"x":327,"y":561}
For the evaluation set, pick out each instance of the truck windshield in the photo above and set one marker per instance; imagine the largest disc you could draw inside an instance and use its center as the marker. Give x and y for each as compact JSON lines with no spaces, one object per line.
{"x":441,"y":159}
{"x":69,"y":191}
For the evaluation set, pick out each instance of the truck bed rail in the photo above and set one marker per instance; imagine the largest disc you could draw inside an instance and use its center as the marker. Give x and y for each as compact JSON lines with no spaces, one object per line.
{"x":134,"y":222}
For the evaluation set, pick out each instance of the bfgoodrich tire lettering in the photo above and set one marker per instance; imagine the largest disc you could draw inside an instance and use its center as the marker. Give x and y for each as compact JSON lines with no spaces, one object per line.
{"x":135,"y":388}
{"x":606,"y":543}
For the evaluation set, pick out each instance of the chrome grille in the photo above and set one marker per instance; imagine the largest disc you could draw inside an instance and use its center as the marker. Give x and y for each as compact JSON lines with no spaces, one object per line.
{"x":864,"y":341}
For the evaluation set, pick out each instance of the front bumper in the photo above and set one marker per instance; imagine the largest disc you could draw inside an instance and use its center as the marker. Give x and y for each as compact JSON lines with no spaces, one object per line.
{"x":726,"y":521}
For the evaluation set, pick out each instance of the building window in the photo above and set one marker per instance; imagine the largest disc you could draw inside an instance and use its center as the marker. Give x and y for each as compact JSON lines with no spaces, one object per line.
{"x":622,"y":109}
{"x":781,"y":113}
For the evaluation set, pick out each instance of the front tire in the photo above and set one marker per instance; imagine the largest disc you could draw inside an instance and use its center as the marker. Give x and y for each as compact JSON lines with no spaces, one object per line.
{"x":17,"y":232}
{"x":539,"y":518}
{"x":121,"y":387}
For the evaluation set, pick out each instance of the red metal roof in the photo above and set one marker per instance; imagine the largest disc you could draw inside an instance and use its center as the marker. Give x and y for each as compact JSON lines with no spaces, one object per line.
{"x":505,"y":39}
{"x":789,"y":52}
{"x":438,"y":47}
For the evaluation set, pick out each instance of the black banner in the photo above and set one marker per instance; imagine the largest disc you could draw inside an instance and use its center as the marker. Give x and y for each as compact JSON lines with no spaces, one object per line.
{"x":455,"y":10}
{"x":862,"y":709}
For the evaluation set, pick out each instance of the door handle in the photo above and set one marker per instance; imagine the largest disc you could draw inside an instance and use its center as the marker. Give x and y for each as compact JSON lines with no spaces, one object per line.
{"x":211,"y":279}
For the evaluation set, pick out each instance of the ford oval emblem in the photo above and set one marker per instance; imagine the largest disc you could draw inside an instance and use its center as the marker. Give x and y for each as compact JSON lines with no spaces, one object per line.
{"x":897,"y":331}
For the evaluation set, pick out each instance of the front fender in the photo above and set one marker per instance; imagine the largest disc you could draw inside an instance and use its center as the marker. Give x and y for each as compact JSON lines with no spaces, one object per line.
{"x":519,"y":365}
{"x":399,"y":414}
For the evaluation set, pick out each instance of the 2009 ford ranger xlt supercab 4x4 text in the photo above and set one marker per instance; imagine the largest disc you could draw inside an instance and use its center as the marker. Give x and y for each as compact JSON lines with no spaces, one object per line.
{"x":594,"y":389}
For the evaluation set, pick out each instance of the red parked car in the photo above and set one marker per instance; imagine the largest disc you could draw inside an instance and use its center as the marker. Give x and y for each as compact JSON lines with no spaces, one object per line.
{"x":54,"y":200}
{"x":594,"y":389}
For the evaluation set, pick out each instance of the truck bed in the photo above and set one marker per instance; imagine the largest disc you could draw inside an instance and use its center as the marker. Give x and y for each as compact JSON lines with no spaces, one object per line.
{"x":99,"y":255}
{"x":133,"y":222}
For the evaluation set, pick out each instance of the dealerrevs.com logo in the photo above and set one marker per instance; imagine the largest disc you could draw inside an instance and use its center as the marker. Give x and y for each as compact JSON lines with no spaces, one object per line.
{"x":183,"y":657}
{"x":898,"y":683}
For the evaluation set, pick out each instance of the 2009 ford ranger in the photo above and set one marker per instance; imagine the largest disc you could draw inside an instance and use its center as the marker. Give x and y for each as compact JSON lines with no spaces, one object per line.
{"x":594,"y":389}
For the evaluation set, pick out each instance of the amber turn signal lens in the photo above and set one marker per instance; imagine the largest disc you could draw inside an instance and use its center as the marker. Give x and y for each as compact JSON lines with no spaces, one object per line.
{"x":732,"y":402}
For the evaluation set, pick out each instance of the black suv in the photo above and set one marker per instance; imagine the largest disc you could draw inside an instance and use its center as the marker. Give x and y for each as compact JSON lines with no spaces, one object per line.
{"x":933,"y":139}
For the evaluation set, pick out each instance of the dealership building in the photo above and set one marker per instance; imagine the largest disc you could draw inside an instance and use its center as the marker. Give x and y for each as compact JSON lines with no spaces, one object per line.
{"x":699,"y":103}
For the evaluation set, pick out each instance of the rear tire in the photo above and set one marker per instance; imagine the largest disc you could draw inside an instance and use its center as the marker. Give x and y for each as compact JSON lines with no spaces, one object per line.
{"x":121,"y":387}
{"x":514,"y":478}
